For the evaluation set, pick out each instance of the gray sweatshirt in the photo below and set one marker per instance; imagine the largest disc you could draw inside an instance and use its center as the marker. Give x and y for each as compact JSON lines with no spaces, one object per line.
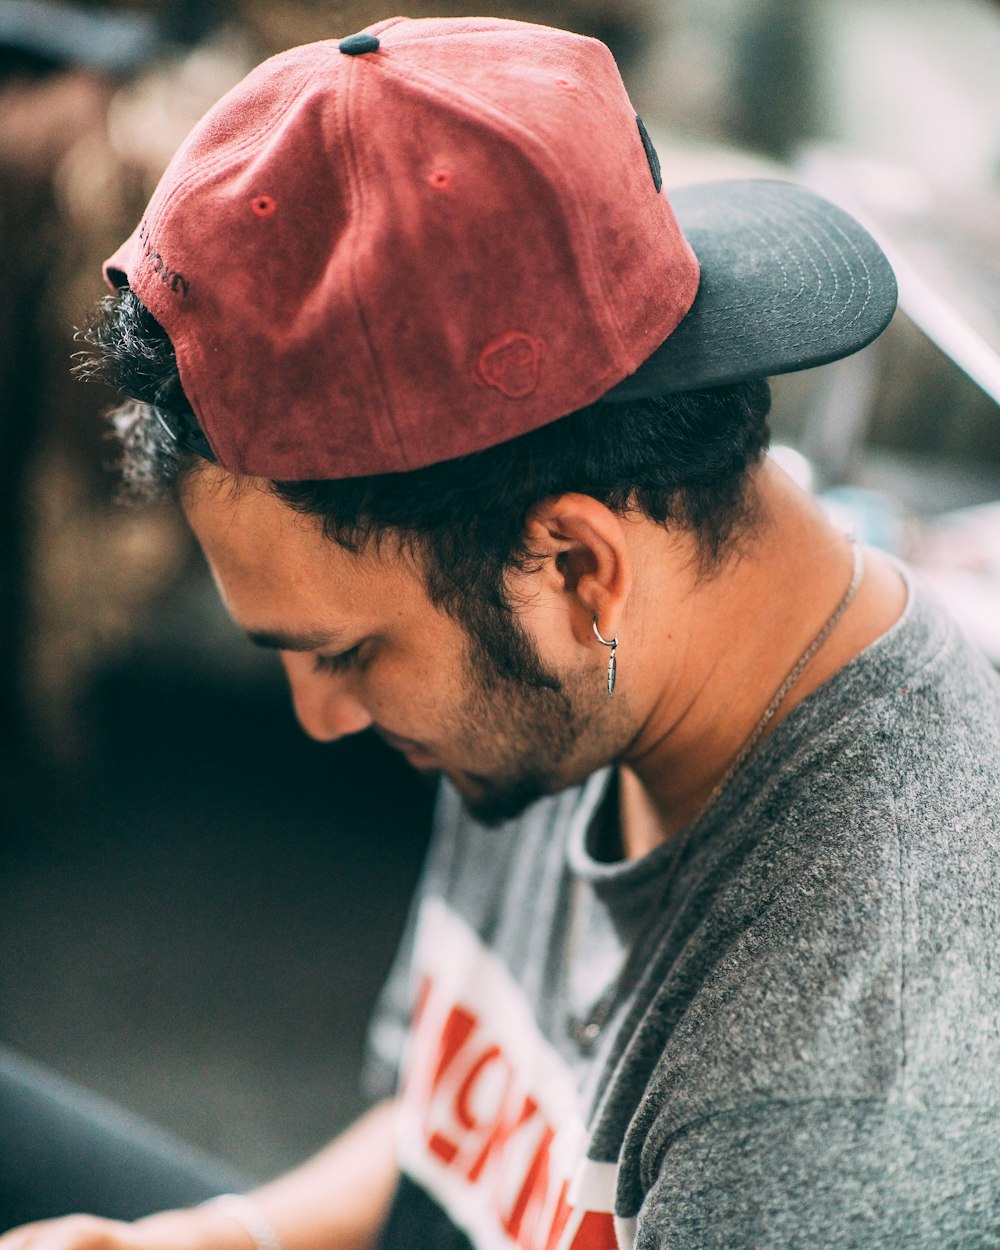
{"x":807,"y":1052}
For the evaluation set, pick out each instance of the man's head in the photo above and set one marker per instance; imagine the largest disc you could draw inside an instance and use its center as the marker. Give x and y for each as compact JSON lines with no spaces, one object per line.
{"x":422,"y":287}
{"x":363,"y":646}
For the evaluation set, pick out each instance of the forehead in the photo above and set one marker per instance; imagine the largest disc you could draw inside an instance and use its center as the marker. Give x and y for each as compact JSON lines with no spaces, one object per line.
{"x":275,"y":567}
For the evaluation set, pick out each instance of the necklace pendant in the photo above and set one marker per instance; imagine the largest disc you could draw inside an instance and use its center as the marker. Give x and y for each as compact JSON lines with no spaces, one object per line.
{"x":584,"y":1032}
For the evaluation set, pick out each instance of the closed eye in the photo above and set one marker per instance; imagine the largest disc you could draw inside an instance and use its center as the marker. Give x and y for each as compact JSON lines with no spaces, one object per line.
{"x":342,"y":662}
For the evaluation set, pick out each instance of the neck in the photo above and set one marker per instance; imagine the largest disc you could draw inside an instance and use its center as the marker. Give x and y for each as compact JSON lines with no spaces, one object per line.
{"x":719,"y":647}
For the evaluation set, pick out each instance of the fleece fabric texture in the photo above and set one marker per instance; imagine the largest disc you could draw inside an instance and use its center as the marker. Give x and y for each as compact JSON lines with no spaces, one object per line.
{"x":810,"y":1054}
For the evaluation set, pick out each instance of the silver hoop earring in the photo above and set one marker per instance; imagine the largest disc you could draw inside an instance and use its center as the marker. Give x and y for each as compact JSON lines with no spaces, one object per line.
{"x":612,"y":658}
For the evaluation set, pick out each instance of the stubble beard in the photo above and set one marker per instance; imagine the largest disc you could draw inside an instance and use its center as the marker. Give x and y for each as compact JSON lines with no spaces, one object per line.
{"x":534,"y":737}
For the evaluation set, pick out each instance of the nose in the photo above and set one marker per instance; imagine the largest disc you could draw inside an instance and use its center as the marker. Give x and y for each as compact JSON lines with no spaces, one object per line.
{"x":324,"y":707}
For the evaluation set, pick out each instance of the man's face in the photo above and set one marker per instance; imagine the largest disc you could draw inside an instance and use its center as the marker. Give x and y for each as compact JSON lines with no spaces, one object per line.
{"x":363,"y":646}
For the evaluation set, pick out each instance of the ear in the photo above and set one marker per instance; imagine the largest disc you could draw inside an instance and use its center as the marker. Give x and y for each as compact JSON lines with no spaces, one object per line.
{"x":585,"y":557}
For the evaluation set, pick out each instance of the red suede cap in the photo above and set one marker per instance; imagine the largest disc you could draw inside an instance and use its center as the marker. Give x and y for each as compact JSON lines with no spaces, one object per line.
{"x":431,"y":237}
{"x":374,"y":257}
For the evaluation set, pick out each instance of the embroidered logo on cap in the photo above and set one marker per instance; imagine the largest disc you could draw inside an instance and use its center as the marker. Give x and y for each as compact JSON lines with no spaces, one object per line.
{"x":510,"y":364}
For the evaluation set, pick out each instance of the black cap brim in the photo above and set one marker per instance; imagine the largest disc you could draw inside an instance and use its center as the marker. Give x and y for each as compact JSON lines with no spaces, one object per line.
{"x":788,"y":281}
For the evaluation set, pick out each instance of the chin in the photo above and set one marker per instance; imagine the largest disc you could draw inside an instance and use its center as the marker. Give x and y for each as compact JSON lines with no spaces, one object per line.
{"x":494,"y":803}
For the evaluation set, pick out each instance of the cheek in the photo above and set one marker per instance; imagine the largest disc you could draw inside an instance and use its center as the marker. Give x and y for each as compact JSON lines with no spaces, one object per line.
{"x":415,"y":689}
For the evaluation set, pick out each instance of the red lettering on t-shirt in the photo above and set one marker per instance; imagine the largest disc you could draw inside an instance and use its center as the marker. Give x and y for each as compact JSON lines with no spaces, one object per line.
{"x":596,"y":1232}
{"x":476,"y":1104}
{"x":507,"y":1123}
{"x":531,"y":1199}
{"x":462,"y":1109}
{"x":560,"y":1216}
{"x":458,"y":1027}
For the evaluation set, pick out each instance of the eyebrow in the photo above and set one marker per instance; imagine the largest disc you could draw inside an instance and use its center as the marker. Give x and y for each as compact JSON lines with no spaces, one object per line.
{"x":294,"y":642}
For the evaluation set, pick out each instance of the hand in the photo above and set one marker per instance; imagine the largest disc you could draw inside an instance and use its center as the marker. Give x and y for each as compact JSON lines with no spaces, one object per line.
{"x":200,"y":1228}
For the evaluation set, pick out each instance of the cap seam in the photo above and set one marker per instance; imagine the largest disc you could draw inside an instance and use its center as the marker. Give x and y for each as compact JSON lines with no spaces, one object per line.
{"x":209,"y":166}
{"x":379,"y":28}
{"x":204,"y":408}
{"x":355,"y":160}
{"x":569,"y":196}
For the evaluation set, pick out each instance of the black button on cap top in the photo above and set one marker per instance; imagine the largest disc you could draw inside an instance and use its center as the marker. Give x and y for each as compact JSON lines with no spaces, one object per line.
{"x":357,"y":45}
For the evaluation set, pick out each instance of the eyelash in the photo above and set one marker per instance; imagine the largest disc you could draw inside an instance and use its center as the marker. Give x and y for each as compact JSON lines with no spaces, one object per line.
{"x":343,"y":662}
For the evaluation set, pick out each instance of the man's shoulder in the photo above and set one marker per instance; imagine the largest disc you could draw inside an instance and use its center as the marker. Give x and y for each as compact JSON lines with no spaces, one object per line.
{"x":838,"y":916}
{"x":910,"y":728}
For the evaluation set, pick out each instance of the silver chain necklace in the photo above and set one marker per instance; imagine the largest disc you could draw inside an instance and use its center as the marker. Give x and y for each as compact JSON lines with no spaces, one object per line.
{"x":585,"y":1030}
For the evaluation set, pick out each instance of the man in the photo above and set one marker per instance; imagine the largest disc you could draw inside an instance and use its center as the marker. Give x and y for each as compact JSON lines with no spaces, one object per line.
{"x":472,"y":432}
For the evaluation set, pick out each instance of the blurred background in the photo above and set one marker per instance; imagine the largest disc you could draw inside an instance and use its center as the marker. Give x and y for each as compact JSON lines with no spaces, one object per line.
{"x":197,"y":905}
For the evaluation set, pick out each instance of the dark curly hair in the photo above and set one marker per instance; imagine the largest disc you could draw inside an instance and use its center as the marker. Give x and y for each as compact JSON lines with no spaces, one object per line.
{"x":679,"y":460}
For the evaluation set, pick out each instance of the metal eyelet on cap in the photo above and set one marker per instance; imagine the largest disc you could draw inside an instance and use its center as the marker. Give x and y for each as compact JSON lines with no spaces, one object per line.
{"x":358,"y":45}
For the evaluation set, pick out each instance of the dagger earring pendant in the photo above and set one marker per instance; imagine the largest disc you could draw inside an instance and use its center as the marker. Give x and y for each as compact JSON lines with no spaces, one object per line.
{"x":612,"y":659}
